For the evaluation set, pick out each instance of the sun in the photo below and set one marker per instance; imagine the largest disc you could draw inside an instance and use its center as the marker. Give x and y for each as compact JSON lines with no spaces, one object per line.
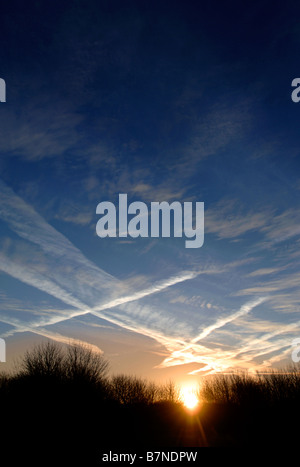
{"x":189,"y":397}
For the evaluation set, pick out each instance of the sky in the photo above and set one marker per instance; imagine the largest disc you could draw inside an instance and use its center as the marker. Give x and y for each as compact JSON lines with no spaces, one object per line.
{"x":186,"y":101}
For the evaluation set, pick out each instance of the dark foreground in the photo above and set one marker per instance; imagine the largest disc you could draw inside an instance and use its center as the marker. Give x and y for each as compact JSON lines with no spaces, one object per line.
{"x":53,"y":422}
{"x":60,"y":408}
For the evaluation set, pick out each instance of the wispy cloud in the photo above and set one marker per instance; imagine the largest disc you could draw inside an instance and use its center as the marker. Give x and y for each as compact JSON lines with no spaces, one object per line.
{"x":65,"y":339}
{"x":228,"y":219}
{"x":265,"y":271}
{"x":155,"y":288}
{"x":41,"y":134}
{"x":245,"y":309}
{"x":116,"y":310}
{"x":38,"y":280}
{"x":280,"y":287}
{"x":66,"y":274}
{"x":30,"y":226}
{"x":212,"y":358}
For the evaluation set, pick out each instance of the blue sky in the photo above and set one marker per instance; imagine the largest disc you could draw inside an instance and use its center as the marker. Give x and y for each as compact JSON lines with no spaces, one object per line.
{"x":164,"y":101}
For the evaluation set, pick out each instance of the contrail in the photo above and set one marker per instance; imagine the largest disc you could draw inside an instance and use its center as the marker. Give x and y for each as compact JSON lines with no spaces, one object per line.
{"x":245,"y":309}
{"x":28,"y":224}
{"x":38,"y":281}
{"x":34,"y":278}
{"x":155,"y":288}
{"x":88,"y":284}
{"x":186,"y":353}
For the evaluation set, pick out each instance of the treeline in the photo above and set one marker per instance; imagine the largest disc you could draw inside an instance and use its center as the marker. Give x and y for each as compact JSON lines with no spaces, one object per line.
{"x":62,"y":401}
{"x":262,"y":389}
{"x":254,"y":411}
{"x":50,"y":367}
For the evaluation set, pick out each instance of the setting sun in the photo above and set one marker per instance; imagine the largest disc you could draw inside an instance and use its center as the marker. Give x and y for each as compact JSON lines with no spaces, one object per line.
{"x":189,"y":397}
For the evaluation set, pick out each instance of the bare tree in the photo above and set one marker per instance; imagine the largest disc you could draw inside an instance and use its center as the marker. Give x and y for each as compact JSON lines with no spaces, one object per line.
{"x":133,"y":390}
{"x":152,"y":392}
{"x":82,"y":364}
{"x":44,"y":360}
{"x":169,"y":392}
{"x":75,"y":363}
{"x":129,"y":389}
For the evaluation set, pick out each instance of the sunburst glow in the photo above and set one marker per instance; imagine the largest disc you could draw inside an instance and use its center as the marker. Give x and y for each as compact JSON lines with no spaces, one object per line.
{"x":189,"y":397}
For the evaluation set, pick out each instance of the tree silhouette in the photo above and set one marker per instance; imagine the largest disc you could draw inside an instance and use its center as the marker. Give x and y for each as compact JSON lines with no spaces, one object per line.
{"x":64,"y":390}
{"x":43,"y":361}
{"x":76,"y":363}
{"x":82,"y":364}
{"x":129,"y":390}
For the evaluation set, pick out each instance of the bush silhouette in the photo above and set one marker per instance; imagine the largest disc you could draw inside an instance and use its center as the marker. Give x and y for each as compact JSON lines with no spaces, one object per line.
{"x":43,"y":361}
{"x":244,"y":389}
{"x":130,"y":390}
{"x":77,"y":363}
{"x":76,"y":407}
{"x":81,"y":364}
{"x":255,"y":409}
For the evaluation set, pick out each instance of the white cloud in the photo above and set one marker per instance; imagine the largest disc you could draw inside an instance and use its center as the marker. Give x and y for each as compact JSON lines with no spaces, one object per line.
{"x":87,"y":284}
{"x":59,"y":255}
{"x":229,"y":220}
{"x":246,"y":308}
{"x":264,"y":271}
{"x":41,"y":133}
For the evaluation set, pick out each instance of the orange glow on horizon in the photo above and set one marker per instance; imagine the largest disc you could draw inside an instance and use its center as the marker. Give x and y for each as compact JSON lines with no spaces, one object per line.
{"x":189,"y":397}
